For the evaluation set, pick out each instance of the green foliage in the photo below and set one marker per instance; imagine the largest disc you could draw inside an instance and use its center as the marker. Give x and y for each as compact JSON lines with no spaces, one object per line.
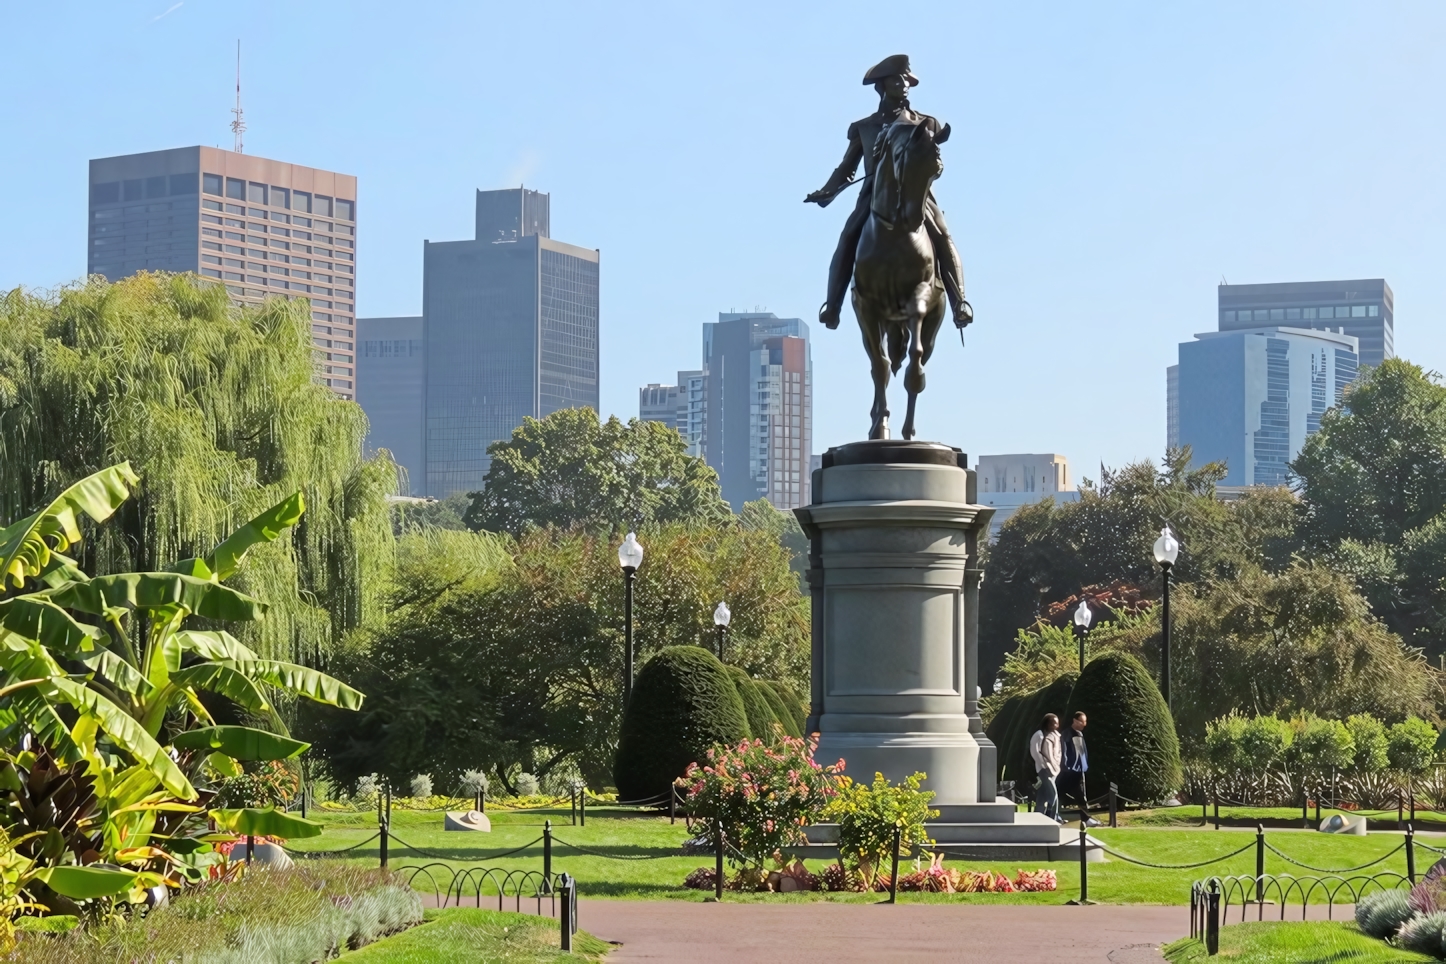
{"x":506,"y":654}
{"x":761,"y":720}
{"x":1382,"y":913}
{"x":1321,"y":746}
{"x":264,"y":783}
{"x":1411,"y":745}
{"x":417,"y":515}
{"x":1425,"y":934}
{"x":569,"y":470}
{"x":684,"y":701}
{"x":1369,"y":736}
{"x":783,"y":525}
{"x":797,"y":706}
{"x":787,"y":717}
{"x":1130,"y":735}
{"x":1049,"y":551}
{"x":1265,"y":741}
{"x":1014,"y":759}
{"x":1224,"y":744}
{"x":264,"y":822}
{"x":763,"y":796}
{"x":219,"y":402}
{"x":868,"y":815}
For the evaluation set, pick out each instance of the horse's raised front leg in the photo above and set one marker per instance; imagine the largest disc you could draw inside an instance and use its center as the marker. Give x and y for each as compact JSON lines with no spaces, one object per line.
{"x":872,"y":331}
{"x":914,"y":374}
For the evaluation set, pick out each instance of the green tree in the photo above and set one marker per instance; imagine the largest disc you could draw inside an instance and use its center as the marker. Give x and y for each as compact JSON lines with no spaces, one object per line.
{"x":1369,"y":736}
{"x":218,"y":409}
{"x":1412,"y":745}
{"x":570,"y":470}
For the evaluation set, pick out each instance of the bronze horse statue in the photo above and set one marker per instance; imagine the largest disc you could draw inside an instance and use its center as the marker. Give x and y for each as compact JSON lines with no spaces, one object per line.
{"x":898,"y":295}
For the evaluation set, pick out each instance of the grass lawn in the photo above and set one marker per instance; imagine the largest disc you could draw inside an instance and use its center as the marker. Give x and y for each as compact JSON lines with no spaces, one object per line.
{"x":1308,"y":943}
{"x":463,"y":935}
{"x":627,"y":834}
{"x":1272,"y":817}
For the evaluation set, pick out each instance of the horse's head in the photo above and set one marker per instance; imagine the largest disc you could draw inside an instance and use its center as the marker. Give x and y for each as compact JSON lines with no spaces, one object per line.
{"x":910,"y":162}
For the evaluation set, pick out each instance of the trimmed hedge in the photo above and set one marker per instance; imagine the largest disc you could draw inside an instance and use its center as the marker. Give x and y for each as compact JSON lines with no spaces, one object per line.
{"x":796,"y":704}
{"x":786,"y":717}
{"x":684,"y":701}
{"x":755,"y":706}
{"x":1130,"y":735}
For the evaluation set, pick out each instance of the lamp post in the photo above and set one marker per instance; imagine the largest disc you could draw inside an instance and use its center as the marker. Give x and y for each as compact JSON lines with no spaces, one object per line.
{"x":1082,"y":618}
{"x":1167,"y":549}
{"x":630,"y":557}
{"x":721,"y":617}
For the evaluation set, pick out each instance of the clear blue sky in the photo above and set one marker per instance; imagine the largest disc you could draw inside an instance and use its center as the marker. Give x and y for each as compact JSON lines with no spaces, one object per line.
{"x":1109,"y":164}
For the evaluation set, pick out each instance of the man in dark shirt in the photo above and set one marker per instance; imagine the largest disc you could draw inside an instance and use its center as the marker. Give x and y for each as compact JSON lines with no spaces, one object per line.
{"x":1076,"y":762}
{"x":892,"y":78}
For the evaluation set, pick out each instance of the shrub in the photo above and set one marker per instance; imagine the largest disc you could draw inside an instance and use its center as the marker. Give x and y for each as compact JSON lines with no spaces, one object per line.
{"x":683,"y":703}
{"x":1425,"y":934}
{"x":755,"y":706}
{"x":1320,"y":746}
{"x":1381,"y":914}
{"x":421,"y":786}
{"x":796,"y":704}
{"x":1131,"y":737}
{"x":526,"y":785}
{"x":786,"y":717}
{"x":763,"y":795}
{"x":1265,"y":742}
{"x":1369,"y":735}
{"x":473,"y":782}
{"x":1411,"y":745}
{"x":1224,"y":739}
{"x":367,"y":789}
{"x":868,"y":815}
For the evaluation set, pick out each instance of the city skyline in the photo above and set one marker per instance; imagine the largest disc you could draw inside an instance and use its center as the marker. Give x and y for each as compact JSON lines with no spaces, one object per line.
{"x":1043,"y":232}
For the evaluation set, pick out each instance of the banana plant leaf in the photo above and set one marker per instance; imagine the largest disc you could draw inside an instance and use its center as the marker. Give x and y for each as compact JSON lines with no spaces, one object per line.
{"x":269,"y":822}
{"x":85,"y":883}
{"x":226,"y":558}
{"x":226,"y":678}
{"x":160,"y":590}
{"x":124,"y":731}
{"x":241,"y":743}
{"x":302,"y":681}
{"x":25,"y":546}
{"x":33,"y":616}
{"x":213,"y":645}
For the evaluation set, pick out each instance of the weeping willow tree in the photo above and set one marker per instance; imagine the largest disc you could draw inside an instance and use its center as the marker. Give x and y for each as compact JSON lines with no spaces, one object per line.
{"x":218,"y":410}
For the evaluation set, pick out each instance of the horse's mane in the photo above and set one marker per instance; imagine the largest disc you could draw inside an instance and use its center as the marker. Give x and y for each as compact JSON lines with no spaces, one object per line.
{"x":891,"y":155}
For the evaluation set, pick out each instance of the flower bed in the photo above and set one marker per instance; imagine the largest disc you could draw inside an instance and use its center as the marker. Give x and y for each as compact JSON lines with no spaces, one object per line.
{"x":935,"y":878}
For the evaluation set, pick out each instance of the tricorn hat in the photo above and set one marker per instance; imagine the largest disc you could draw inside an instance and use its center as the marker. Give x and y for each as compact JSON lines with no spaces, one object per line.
{"x":888,"y":67}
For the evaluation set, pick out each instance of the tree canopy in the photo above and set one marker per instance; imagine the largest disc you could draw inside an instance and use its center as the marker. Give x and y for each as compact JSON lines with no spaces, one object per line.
{"x":218,"y":410}
{"x":571,"y":470}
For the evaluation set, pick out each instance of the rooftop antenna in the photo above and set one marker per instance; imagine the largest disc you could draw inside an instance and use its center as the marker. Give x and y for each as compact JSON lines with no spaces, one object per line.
{"x":238,"y":126}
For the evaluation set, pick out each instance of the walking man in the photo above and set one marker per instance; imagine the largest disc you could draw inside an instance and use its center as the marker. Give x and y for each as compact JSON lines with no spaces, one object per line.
{"x":1076,"y":763}
{"x":1044,"y":747}
{"x":891,"y":78}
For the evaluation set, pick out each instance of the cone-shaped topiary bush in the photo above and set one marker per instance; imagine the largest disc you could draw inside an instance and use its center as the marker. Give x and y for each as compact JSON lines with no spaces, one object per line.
{"x":1130,"y":736}
{"x":782,"y":712}
{"x":755,"y":706}
{"x":684,"y":701}
{"x":1381,"y":914}
{"x":797,"y":704}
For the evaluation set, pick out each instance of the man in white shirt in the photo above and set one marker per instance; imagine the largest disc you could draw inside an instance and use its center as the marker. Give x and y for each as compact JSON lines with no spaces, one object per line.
{"x":1045,"y":749}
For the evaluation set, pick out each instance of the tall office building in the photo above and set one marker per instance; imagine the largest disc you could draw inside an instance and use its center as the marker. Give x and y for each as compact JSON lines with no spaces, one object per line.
{"x":1363,"y":309}
{"x":263,"y":228}
{"x":679,"y":406}
{"x":391,"y":382}
{"x":1250,"y":398}
{"x":511,"y":330}
{"x":1009,"y":482}
{"x":758,"y":407}
{"x":1172,"y":407}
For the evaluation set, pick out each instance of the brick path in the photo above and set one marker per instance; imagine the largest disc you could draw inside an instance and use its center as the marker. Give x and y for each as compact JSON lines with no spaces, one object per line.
{"x":844,"y":933}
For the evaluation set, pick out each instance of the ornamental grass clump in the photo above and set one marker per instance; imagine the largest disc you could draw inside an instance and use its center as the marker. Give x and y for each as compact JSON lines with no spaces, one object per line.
{"x":1381,"y":914}
{"x":1425,"y":934}
{"x":869,"y":815}
{"x":763,"y":796}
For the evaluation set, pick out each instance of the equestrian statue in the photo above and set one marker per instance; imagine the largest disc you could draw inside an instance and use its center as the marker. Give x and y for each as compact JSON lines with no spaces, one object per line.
{"x":895,"y":245}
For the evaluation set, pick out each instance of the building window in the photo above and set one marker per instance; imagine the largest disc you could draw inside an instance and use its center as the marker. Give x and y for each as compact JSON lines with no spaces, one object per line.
{"x":210,"y":272}
{"x":280,"y":197}
{"x":304,"y":222}
{"x":211,"y":184}
{"x":133,"y":190}
{"x":284,"y":219}
{"x":1358,"y":311}
{"x":236,"y":188}
{"x":1277,"y":314}
{"x":1372,"y":312}
{"x":301,"y":201}
{"x":322,"y":206}
{"x":256,"y":194}
{"x":183,"y":184}
{"x":346,"y":210}
{"x":1292,"y":314}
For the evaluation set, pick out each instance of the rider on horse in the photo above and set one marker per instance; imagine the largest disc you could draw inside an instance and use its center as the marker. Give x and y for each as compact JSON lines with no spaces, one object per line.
{"x":892,"y":78}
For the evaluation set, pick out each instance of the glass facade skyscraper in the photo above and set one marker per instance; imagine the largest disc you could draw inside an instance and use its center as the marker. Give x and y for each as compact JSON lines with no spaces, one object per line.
{"x":1364,"y":309}
{"x":391,"y":380}
{"x":511,"y":331}
{"x":263,"y":228}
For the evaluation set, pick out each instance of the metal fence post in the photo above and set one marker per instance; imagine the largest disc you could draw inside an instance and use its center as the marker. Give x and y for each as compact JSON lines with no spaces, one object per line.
{"x":1259,"y":862}
{"x":1217,"y":810}
{"x":569,"y":892}
{"x":1084,"y":866}
{"x":582,"y":804}
{"x":718,"y":868}
{"x":1212,"y":920}
{"x":547,"y":857}
{"x":1114,"y":802}
{"x":383,"y":831}
{"x":572,"y":804}
{"x":1400,"y":809}
{"x":672,"y":804}
{"x":894,"y":875}
{"x":1411,"y":853}
{"x":1317,"y":805}
{"x":250,"y":846}
{"x":1304,"y":803}
{"x":1411,"y":795}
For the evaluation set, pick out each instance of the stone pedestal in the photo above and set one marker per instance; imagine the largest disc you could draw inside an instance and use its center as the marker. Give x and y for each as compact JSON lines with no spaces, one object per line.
{"x":894,"y":574}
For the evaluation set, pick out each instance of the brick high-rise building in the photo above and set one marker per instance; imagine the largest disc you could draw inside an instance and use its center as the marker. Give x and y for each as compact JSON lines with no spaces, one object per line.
{"x":264,"y":228}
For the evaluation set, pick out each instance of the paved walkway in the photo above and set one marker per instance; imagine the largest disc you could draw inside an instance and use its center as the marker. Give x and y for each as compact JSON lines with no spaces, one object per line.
{"x":845,"y":933}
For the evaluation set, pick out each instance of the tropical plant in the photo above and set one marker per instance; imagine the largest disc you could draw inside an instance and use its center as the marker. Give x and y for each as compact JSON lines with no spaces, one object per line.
{"x":762,"y":795}
{"x":869,"y":816}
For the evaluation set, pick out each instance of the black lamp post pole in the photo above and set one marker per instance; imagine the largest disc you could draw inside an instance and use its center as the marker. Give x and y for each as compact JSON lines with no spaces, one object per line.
{"x":1165,"y":635}
{"x":722,"y":632}
{"x":1082,"y":634}
{"x":629,"y":574}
